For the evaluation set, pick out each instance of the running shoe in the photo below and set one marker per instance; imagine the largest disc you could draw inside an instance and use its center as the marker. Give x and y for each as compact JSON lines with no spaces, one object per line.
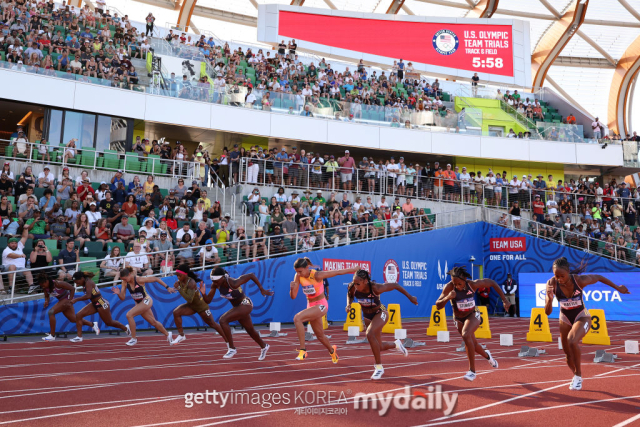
{"x":96,"y":328}
{"x":401,"y":348}
{"x":178,"y":339}
{"x":263,"y":352}
{"x":576,"y":383}
{"x":33,"y":289}
{"x":377,"y":373}
{"x":334,"y":355}
{"x":470,"y":376}
{"x":232,"y":352}
{"x":493,"y":362}
{"x":170,"y":337}
{"x":76,"y":339}
{"x":128,"y":331}
{"x":302,"y":355}
{"x":132,"y":341}
{"x":48,"y":337}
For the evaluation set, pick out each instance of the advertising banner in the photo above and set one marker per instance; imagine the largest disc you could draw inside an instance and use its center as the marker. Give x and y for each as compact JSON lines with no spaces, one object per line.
{"x":418,"y":262}
{"x":533,"y":289}
{"x":471,"y":47}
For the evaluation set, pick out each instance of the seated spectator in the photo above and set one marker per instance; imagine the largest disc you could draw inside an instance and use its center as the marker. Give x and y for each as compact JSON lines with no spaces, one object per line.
{"x":185,"y":251}
{"x":148,"y":228}
{"x":120,"y":194}
{"x":64,"y":189}
{"x":395,"y":224}
{"x":164,"y":246}
{"x":186,"y":229}
{"x":117,"y":179}
{"x":47,"y":201}
{"x":82,"y":229}
{"x":46,"y":178}
{"x":102,"y":232}
{"x":137,"y":260}
{"x":223,"y":235}
{"x":6,"y":186}
{"x":241,"y":242}
{"x":14,"y":260}
{"x":259,"y":243}
{"x":68,"y":259}
{"x":112,"y":264}
{"x":124,"y":232}
{"x":36,"y":226}
{"x":85,"y":190}
{"x":41,"y":257}
{"x":70,"y":150}
{"x":277,"y":241}
{"x":209,"y":254}
{"x":170,"y":222}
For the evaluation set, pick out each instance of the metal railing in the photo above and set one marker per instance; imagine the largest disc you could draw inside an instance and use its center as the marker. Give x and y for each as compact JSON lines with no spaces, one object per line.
{"x":98,"y":160}
{"x":573,"y":237}
{"x":252,"y":249}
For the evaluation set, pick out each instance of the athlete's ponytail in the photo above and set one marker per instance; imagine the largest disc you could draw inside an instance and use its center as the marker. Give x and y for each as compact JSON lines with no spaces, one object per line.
{"x":302,"y":263}
{"x":563,"y":263}
{"x":126,"y":271}
{"x":459,"y":272}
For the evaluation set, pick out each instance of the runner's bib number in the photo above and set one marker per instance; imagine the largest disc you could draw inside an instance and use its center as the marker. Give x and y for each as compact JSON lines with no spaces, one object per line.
{"x":308,"y":290}
{"x":570,"y":303}
{"x":466,"y":304}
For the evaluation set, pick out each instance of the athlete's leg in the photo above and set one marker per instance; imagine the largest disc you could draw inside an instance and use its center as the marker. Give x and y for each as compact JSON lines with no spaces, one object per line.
{"x":316,"y":325}
{"x":137,"y":310}
{"x":468,"y":336}
{"x":208,"y":319}
{"x":105,"y":315}
{"x":70,"y":313}
{"x":178,"y":312}
{"x":306,"y":315}
{"x":232,"y":315}
{"x":87,"y":310}
{"x":578,"y":331}
{"x":148,"y":316}
{"x":374,"y":335}
{"x":247,"y":324}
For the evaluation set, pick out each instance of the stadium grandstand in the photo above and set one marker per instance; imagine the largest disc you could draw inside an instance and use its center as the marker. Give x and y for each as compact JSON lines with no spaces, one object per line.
{"x":244,"y":134}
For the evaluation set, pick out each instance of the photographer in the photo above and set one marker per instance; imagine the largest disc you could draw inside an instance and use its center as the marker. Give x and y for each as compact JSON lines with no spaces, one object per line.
{"x":41,"y":257}
{"x":241,"y":242}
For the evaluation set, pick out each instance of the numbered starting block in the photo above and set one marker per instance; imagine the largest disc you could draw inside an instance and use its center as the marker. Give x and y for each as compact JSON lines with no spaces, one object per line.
{"x":526,"y":351}
{"x":274,"y":331}
{"x":310,"y":336}
{"x":353,"y":334}
{"x":462,"y":347}
{"x":603,"y":357}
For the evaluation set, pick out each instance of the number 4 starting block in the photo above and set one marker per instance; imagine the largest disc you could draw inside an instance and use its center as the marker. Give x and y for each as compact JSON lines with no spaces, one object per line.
{"x":539,"y":326}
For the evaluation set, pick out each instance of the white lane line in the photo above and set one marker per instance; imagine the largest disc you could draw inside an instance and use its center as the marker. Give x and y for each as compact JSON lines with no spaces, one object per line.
{"x":232,"y":421}
{"x":627,"y":422}
{"x":508,"y":414}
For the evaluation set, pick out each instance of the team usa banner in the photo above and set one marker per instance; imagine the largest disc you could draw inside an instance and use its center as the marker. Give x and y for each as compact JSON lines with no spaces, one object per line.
{"x":497,"y":49}
{"x":419,"y":262}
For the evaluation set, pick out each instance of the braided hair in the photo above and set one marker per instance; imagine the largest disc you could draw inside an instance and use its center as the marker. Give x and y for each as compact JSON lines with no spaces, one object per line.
{"x":186,"y":269}
{"x":563,"y":263}
{"x":460,"y":272}
{"x":362,"y":274}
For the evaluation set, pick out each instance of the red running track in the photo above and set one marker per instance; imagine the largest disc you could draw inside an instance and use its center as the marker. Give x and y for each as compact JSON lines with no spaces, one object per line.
{"x":102,"y":382}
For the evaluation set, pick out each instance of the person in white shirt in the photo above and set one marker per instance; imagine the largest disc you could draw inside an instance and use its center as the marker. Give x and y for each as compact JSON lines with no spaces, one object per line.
{"x":514,"y":187}
{"x":184,"y":230}
{"x":148,"y":227}
{"x":552,"y":206}
{"x":250,"y":100}
{"x":395,"y":224}
{"x":466,"y":179}
{"x":490,"y":181}
{"x":46,"y":178}
{"x":14,"y":259}
{"x":392,"y":169}
{"x":382,"y":202}
{"x":597,"y":126}
{"x":218,"y":89}
{"x":138,"y":261}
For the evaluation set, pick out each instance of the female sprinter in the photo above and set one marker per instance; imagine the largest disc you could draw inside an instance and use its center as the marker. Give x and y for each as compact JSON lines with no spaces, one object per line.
{"x":242,"y":306}
{"x":460,"y":291}
{"x":97,"y":305}
{"x":367,"y":293}
{"x":317,"y":305}
{"x":186,"y":285}
{"x":64,"y":292}
{"x":143,"y":301}
{"x":575,"y":320}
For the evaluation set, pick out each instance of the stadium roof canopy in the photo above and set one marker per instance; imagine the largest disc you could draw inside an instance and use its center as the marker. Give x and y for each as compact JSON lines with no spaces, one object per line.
{"x":594,"y":69}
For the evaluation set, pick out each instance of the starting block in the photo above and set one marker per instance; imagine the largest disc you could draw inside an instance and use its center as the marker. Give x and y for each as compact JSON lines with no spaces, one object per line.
{"x":483,"y":330}
{"x":395,"y":319}
{"x":526,"y":351}
{"x":61,"y":335}
{"x":116,"y":332}
{"x":409,"y":343}
{"x":325,"y":324}
{"x":539,"y":326}
{"x":354,"y":317}
{"x":400,"y":334}
{"x":202,"y":328}
{"x":274,"y":331}
{"x":462,"y":347}
{"x":437,"y":322}
{"x":506,"y":340}
{"x":354,"y":333}
{"x":603,"y":356}
{"x":443,"y":336}
{"x":598,"y":333}
{"x":309,"y":335}
{"x":630,"y":347}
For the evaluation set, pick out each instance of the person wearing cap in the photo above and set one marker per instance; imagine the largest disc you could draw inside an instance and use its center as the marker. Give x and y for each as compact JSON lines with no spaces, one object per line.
{"x":14,"y":260}
{"x":330,"y":170}
{"x":123,"y":232}
{"x":321,"y":200}
{"x":85,"y":189}
{"x":46,"y":178}
{"x":116,"y":180}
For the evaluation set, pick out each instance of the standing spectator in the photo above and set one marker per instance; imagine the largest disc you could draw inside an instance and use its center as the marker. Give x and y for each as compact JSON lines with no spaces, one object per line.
{"x":597,"y":127}
{"x":538,"y":208}
{"x":509,"y":287}
{"x":150,"y":20}
{"x":515,"y":214}
{"x":346,"y":170}
{"x":474,"y":84}
{"x":234,"y":158}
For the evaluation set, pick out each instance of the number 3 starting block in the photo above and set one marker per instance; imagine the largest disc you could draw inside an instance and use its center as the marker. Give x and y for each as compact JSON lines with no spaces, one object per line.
{"x":598,"y":333}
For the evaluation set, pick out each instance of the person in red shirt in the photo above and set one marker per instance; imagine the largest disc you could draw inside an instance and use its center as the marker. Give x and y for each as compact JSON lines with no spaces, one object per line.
{"x":85,"y":189}
{"x":346,"y":170}
{"x":607,"y":193}
{"x":538,"y":208}
{"x":449,"y":176}
{"x":483,"y":294}
{"x":571,"y":119}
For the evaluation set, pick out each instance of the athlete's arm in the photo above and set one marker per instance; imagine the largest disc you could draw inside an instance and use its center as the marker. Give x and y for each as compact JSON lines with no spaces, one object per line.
{"x":46,"y":298}
{"x":448,"y":293}
{"x":293,"y":292}
{"x":350,"y":292}
{"x":590,"y":279}
{"x":209,"y":297}
{"x":236,"y":283}
{"x":379,"y":289}
{"x":121,"y":292}
{"x":65,"y":285}
{"x":548,"y":302}
{"x":144,"y":279}
{"x":488,"y":283}
{"x":87,"y":293}
{"x":321,"y":275}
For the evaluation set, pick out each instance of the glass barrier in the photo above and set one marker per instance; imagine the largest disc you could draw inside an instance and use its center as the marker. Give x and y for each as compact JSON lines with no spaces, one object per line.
{"x":561,"y":132}
{"x":436,"y":118}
